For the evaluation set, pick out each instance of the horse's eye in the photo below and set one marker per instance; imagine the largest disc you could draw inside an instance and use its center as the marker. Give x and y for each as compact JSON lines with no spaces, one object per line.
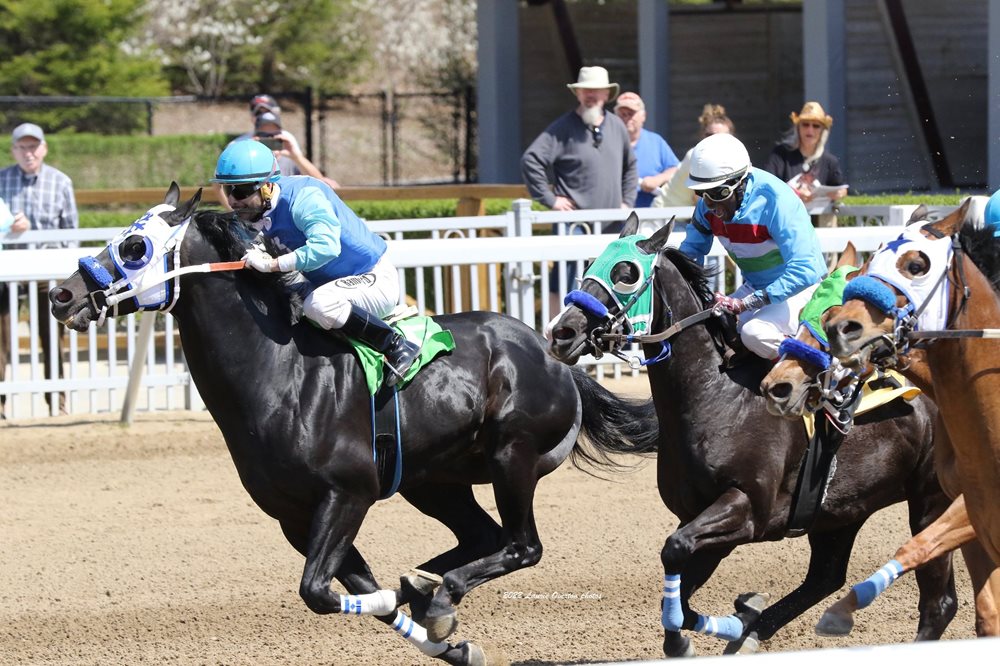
{"x":625,"y":273}
{"x":132,"y":250}
{"x":918,"y":264}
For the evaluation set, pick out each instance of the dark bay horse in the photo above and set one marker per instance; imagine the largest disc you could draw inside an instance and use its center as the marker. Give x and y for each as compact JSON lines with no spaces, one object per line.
{"x":797,"y":384}
{"x":728,"y":469}
{"x":937,"y":276}
{"x":292,"y":404}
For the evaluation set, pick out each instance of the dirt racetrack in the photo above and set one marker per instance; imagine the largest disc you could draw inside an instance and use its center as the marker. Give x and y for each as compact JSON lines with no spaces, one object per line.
{"x":139,"y":545}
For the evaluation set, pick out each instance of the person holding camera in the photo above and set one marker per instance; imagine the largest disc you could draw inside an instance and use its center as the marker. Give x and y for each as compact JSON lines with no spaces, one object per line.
{"x":266,"y":115}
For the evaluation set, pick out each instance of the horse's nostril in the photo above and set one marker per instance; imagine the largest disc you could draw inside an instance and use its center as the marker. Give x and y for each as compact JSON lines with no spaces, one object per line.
{"x":780,"y":390}
{"x":563,"y":333}
{"x":61,"y":295}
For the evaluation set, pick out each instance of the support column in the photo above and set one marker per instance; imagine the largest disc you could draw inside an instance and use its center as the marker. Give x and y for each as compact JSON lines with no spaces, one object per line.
{"x":654,"y":64}
{"x":824,"y":65}
{"x":498,"y":96}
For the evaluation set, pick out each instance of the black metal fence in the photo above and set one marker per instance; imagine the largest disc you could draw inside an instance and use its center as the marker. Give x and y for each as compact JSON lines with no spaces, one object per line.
{"x":383,"y":138}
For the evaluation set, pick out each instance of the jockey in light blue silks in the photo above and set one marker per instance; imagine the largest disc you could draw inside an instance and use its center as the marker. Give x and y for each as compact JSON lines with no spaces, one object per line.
{"x":766,"y":230}
{"x":355,"y":284}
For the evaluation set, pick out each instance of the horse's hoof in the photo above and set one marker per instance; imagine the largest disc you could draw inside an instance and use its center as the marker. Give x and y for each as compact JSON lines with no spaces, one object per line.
{"x":746,"y":645}
{"x":678,"y":647}
{"x":834,"y":625}
{"x":416,"y":588}
{"x":752,"y":602}
{"x":420,"y":582}
{"x":477,"y":656}
{"x":440,"y":627}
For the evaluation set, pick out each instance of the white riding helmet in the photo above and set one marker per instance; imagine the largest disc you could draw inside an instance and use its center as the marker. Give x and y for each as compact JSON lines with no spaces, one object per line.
{"x":717,"y":160}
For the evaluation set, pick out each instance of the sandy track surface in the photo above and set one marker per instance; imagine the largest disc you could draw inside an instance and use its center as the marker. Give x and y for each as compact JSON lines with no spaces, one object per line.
{"x":139,"y":545}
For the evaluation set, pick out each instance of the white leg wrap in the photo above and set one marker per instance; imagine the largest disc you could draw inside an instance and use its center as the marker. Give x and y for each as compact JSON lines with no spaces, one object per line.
{"x":381,"y":602}
{"x":417,"y":635}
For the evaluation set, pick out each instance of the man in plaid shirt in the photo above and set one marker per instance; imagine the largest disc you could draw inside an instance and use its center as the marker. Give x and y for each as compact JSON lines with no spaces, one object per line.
{"x":40,"y":197}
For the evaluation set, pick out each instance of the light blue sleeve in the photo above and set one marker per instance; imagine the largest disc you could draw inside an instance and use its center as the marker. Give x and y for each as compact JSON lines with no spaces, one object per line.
{"x":6,"y":217}
{"x":667,"y":157}
{"x":791,"y":229}
{"x":697,"y":243}
{"x":313,"y":215}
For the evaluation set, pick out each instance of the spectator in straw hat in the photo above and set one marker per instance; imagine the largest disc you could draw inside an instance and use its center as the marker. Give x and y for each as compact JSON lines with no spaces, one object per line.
{"x":801,"y":158}
{"x":583,"y":160}
{"x":655,"y":160}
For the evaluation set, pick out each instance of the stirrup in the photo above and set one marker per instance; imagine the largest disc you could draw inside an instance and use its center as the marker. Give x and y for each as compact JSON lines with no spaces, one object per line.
{"x":408,"y":356}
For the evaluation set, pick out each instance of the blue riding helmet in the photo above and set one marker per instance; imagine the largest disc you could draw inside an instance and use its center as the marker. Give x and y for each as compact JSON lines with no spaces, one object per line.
{"x":246,"y":161}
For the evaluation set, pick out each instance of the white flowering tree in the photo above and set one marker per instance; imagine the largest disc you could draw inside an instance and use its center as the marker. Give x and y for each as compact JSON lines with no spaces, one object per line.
{"x":211,"y":48}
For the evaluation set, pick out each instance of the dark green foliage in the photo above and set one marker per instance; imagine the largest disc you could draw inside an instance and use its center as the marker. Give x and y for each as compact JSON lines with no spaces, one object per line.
{"x":73,"y":47}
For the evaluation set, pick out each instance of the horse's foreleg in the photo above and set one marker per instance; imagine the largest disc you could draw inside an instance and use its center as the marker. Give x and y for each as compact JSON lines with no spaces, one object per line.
{"x":942,"y":536}
{"x":727,"y":523}
{"x":829,"y":555}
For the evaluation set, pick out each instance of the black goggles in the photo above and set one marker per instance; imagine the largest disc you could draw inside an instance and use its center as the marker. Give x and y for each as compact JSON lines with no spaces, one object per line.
{"x":241,"y":191}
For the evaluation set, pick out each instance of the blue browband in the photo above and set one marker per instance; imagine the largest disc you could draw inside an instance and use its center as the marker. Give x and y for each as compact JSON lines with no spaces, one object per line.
{"x":801,"y":351}
{"x":586,"y":302}
{"x":871,"y":291}
{"x":95,"y":270}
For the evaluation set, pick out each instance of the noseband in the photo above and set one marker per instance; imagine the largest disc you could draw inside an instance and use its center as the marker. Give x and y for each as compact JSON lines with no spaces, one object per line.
{"x":603,"y":338}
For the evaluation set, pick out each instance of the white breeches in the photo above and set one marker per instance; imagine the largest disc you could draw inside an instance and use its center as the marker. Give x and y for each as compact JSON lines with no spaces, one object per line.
{"x":376,"y":291}
{"x":763,"y":330}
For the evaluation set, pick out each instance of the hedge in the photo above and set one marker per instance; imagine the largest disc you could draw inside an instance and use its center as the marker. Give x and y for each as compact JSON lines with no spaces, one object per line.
{"x":102,"y":162}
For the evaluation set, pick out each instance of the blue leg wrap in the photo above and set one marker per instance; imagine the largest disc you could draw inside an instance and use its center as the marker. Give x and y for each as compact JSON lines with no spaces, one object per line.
{"x":727,"y":628}
{"x":673,"y":614}
{"x":877,"y":583}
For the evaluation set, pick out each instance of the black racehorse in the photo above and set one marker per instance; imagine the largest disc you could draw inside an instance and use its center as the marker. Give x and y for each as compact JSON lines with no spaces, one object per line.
{"x":293,"y":407}
{"x":727,"y":468}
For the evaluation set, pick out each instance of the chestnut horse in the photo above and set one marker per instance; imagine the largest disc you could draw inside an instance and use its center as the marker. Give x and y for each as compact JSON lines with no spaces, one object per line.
{"x":795,"y":385}
{"x":726,"y":467}
{"x":940,"y":275}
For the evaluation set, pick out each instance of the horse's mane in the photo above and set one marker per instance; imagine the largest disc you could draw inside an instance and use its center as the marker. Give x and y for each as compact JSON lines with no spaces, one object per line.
{"x":693,"y":273}
{"x":231,"y":237}
{"x":983,"y":249}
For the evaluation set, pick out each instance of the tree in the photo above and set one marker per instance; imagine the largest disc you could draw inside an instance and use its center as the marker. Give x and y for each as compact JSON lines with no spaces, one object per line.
{"x":72,"y":47}
{"x":243,"y":46}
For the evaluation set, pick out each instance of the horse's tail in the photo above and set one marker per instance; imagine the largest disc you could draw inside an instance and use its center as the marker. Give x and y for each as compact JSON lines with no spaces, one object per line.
{"x":612,"y":425}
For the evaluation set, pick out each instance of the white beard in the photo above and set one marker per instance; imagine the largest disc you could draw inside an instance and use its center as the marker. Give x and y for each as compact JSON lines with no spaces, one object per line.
{"x":592,"y":115}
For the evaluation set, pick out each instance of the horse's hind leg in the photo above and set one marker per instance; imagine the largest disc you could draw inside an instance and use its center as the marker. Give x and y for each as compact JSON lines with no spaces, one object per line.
{"x":514,"y":474}
{"x":478,"y":535}
{"x":829,"y":555}
{"x":985,"y":577}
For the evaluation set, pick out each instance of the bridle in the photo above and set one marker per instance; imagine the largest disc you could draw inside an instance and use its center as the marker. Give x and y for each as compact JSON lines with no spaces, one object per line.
{"x":603,"y":338}
{"x":136,"y":281}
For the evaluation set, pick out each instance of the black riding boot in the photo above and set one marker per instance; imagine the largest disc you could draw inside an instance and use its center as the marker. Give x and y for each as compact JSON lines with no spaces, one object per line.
{"x":399,"y":352}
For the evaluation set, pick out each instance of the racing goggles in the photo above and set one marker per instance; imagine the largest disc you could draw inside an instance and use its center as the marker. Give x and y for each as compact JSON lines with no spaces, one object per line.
{"x":241,"y":191}
{"x":722,"y":192}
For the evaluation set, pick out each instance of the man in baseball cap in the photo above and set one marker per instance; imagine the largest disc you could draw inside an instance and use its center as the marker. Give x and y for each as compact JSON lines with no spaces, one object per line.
{"x":264,"y":104}
{"x":655,"y":160}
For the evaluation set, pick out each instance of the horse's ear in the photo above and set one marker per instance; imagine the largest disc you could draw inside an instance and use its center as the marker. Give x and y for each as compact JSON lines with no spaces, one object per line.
{"x":919,"y":215}
{"x":185,"y":210}
{"x":631,"y":227}
{"x":849,"y":257}
{"x":173,"y":194}
{"x":658,"y":240}
{"x":951,"y":224}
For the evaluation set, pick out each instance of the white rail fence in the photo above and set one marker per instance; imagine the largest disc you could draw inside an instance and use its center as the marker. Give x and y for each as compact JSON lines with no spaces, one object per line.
{"x":499,"y":263}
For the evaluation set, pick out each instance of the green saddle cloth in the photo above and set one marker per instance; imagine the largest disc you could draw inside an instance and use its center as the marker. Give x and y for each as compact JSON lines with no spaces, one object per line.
{"x":424,"y":331}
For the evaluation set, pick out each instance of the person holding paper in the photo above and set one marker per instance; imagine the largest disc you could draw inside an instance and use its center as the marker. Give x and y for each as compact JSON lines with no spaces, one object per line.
{"x":801,"y":159}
